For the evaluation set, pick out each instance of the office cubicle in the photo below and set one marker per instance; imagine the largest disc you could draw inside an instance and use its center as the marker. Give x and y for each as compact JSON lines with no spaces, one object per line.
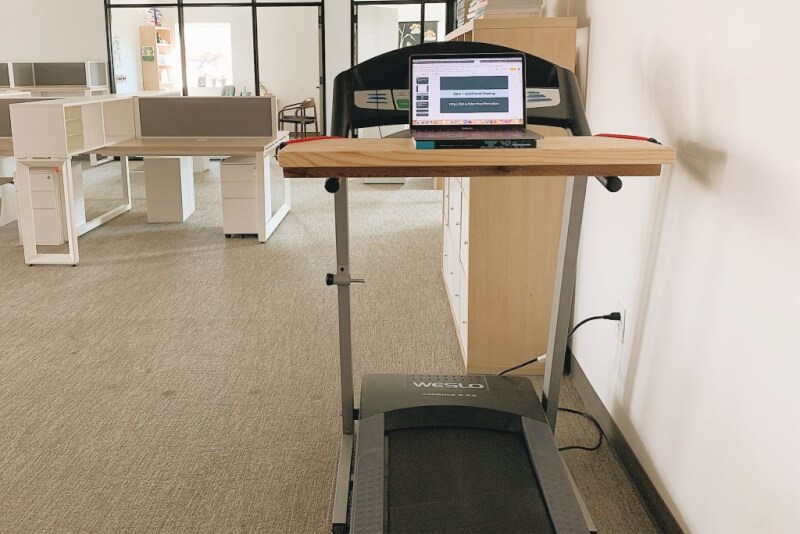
{"x":213,"y":117}
{"x":47,"y":74}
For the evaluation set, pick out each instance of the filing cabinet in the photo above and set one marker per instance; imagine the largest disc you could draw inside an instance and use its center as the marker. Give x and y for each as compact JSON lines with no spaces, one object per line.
{"x":239,"y":196}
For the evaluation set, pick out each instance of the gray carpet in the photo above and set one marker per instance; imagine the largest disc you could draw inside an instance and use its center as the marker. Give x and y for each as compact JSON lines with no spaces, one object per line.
{"x":177,"y":381}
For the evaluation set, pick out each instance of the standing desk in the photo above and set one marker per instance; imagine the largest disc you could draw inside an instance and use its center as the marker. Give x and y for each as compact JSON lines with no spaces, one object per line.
{"x":575,"y":157}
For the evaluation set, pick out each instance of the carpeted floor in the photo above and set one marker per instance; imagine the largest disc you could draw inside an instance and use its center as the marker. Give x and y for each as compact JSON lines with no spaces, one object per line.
{"x":177,"y":381}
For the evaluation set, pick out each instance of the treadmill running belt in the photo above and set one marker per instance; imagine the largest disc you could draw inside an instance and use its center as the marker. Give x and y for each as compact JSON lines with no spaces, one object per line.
{"x":462,"y":480}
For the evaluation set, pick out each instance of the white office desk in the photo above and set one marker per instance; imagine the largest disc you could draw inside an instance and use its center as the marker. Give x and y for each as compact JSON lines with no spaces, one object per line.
{"x":64,"y":90}
{"x":260,"y":147}
{"x":47,"y":134}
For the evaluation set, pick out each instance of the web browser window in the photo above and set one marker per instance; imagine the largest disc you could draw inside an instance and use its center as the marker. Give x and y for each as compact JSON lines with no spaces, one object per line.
{"x":467,"y":91}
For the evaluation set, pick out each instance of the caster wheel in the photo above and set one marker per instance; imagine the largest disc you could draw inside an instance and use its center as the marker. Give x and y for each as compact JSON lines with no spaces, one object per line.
{"x":227,"y":236}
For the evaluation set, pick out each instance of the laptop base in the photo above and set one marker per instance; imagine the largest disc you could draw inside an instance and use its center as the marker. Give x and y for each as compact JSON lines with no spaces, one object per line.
{"x":428,"y":144}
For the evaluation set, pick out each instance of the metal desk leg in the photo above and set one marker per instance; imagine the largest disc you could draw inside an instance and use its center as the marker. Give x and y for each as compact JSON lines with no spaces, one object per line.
{"x":563,"y":295}
{"x":264,"y":194}
{"x":342,"y":279}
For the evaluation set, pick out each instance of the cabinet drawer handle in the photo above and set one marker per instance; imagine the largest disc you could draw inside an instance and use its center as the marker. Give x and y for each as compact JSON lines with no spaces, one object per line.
{"x":465,"y":242}
{"x":463,"y":322}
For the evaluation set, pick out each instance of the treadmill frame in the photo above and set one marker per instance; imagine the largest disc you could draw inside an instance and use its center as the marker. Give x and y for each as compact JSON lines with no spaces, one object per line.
{"x":560,"y":319}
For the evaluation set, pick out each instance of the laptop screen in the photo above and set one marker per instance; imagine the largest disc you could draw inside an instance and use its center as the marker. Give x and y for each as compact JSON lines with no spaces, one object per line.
{"x":481,"y":90}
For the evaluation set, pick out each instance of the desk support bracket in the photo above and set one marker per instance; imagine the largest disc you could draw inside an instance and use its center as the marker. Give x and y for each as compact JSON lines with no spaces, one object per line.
{"x":563,"y":295}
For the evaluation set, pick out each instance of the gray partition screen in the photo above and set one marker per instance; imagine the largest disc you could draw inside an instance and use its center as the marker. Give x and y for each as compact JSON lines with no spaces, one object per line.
{"x":212,"y":116}
{"x":23,"y":74}
{"x":60,"y":74}
{"x":98,"y":71}
{"x":5,"y":113}
{"x":5,"y":79}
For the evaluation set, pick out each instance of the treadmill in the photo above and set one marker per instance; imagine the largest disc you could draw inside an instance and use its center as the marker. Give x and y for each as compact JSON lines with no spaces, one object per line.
{"x":454,"y":453}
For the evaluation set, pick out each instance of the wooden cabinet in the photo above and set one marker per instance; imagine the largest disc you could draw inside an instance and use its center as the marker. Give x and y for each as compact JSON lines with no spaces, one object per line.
{"x":550,"y":38}
{"x":499,"y":251}
{"x":157,"y":56}
{"x":501,"y":234}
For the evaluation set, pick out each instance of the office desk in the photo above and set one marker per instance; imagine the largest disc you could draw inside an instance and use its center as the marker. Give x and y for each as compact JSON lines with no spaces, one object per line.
{"x":554,"y":156}
{"x":258,"y":146}
{"x":576,"y":157}
{"x":64,"y":90}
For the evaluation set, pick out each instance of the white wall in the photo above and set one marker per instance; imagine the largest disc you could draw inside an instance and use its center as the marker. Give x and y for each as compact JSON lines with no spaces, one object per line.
{"x":705,"y":259}
{"x":337,"y":45}
{"x":291,"y":77}
{"x":377,"y":30}
{"x":52,"y":30}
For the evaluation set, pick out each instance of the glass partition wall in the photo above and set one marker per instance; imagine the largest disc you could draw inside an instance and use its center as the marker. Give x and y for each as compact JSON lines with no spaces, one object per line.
{"x":382,"y":26}
{"x":219,"y":48}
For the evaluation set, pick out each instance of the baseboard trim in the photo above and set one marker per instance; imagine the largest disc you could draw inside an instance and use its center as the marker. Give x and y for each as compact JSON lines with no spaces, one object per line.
{"x":656,"y":507}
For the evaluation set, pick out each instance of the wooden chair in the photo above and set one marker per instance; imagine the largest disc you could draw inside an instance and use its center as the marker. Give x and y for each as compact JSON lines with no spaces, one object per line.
{"x":298,"y":115}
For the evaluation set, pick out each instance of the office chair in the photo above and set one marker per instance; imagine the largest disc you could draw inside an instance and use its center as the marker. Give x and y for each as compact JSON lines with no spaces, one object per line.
{"x":297,"y":114}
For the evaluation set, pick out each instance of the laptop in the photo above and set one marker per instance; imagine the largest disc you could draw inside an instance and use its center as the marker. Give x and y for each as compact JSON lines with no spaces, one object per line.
{"x":469,"y":101}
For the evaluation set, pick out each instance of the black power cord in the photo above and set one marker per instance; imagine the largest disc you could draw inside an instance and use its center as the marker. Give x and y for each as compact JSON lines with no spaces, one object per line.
{"x":615,"y":316}
{"x":596,"y":425}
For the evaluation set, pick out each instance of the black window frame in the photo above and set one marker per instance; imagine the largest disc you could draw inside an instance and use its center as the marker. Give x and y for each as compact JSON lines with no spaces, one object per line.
{"x":254,"y":5}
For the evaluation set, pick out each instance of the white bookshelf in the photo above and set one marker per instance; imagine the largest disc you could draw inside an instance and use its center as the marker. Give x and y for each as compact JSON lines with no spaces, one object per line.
{"x":67,"y":127}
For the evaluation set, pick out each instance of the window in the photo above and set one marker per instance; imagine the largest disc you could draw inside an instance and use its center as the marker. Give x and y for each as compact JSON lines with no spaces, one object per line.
{"x":209,"y":56}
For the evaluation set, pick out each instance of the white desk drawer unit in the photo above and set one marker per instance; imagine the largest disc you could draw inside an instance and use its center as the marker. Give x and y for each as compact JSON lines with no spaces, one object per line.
{"x":239,"y":196}
{"x":47,"y":208}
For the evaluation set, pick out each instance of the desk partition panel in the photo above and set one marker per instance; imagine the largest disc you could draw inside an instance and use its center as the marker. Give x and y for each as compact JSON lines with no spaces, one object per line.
{"x":23,"y":74}
{"x":60,"y":74}
{"x":207,"y":116}
{"x":5,"y":75}
{"x":5,"y":113}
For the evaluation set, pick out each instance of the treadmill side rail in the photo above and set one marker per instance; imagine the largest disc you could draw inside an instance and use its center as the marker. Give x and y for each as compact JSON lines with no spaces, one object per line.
{"x":368,"y":512}
{"x":562,"y":505}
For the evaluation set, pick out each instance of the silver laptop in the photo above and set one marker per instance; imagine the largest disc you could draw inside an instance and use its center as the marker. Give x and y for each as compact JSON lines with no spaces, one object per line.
{"x":469,"y":101}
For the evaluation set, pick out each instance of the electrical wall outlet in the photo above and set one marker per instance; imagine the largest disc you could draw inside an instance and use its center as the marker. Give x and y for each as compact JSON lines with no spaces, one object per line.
{"x":621,"y":323}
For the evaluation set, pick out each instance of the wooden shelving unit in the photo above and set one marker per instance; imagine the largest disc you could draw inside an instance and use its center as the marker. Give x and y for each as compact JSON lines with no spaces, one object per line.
{"x":550,"y":38}
{"x":500,"y":236}
{"x":158,"y":74}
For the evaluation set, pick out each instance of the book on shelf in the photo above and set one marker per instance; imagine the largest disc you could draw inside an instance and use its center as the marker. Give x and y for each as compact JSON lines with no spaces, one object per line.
{"x":504,"y":8}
